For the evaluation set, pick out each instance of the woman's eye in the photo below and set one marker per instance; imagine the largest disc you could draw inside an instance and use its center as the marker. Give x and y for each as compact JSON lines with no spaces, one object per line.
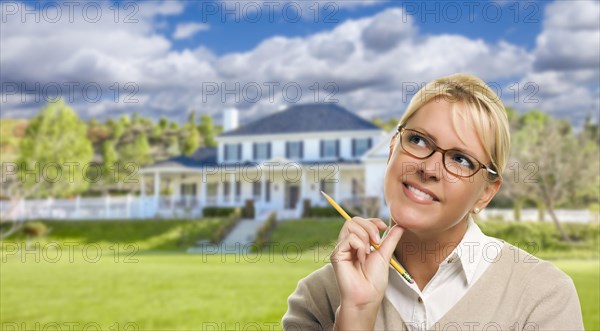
{"x":417,"y":140}
{"x":464,"y":161}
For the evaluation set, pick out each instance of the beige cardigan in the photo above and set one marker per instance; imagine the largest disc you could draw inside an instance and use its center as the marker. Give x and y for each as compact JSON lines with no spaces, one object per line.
{"x":516,"y":292}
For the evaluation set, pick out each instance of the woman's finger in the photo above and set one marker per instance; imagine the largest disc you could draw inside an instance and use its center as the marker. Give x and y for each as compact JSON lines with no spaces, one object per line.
{"x":356,"y":228}
{"x":370,"y":227}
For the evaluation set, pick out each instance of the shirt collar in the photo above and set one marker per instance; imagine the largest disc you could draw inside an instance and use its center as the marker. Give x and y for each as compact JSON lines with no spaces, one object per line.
{"x":469,"y":250}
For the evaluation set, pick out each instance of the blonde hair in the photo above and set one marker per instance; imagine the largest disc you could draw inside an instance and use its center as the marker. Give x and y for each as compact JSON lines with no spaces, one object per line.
{"x":483,"y":108}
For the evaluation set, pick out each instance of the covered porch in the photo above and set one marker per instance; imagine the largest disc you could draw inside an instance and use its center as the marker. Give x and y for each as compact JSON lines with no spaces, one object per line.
{"x":276,"y":185}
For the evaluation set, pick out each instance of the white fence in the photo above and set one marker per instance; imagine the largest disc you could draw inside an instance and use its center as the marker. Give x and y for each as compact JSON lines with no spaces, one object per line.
{"x":135,"y":207}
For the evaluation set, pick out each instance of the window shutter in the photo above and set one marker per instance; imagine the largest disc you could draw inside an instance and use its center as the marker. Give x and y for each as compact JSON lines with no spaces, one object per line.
{"x":239,"y":152}
{"x":287,"y":149}
{"x":337,"y":148}
{"x":226,"y":150}
{"x":268,"y":150}
{"x":254,"y":151}
{"x":370,"y":144}
{"x":322,"y":150}
{"x":353,"y":147}
{"x":302,"y":150}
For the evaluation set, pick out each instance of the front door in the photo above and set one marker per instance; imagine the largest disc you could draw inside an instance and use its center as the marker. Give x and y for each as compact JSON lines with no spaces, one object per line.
{"x":292,"y":196}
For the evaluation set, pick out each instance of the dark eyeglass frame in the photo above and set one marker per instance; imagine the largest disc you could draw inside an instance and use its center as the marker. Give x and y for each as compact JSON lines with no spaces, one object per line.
{"x":435,"y":148}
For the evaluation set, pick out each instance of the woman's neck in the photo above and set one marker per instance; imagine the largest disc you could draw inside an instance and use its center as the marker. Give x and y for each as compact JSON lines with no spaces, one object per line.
{"x":421,"y":254}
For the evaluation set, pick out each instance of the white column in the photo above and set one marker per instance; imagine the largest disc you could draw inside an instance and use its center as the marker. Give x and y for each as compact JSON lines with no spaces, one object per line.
{"x":203,"y":192}
{"x":232,"y":189}
{"x":156,"y":185}
{"x":142,"y":186}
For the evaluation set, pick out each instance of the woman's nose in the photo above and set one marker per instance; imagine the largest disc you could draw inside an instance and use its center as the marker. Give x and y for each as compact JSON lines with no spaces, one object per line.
{"x":431,"y":167}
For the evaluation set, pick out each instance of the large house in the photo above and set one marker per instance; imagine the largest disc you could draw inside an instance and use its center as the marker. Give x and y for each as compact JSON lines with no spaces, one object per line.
{"x":277,"y":162}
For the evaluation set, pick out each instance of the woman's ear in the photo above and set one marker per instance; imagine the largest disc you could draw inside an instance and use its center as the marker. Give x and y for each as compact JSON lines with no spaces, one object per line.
{"x":488,"y":193}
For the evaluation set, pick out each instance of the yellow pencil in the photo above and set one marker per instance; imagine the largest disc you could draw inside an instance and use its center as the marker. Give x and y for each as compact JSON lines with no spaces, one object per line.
{"x":347,"y":217}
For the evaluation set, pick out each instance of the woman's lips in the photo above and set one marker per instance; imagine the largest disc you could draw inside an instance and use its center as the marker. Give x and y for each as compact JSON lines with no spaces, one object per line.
{"x":419,"y":194}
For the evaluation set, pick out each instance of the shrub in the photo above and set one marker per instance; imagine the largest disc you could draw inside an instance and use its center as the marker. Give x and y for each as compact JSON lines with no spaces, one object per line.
{"x":248,"y":209}
{"x":35,"y":229}
{"x":226,"y":227}
{"x":217,"y":211}
{"x":264,"y":232}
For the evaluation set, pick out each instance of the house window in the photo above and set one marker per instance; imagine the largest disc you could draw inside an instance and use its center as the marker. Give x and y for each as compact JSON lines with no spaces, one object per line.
{"x":360,"y":146}
{"x":233,"y":152}
{"x":212,"y":190}
{"x":294,"y":150}
{"x":238,"y":191}
{"x":256,"y":190}
{"x":328,"y":186}
{"x":330,"y":148}
{"x":188,"y":189}
{"x":262,"y":151}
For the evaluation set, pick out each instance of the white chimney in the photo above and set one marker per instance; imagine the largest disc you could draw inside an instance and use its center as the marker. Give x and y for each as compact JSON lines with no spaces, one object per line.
{"x":230,"y":119}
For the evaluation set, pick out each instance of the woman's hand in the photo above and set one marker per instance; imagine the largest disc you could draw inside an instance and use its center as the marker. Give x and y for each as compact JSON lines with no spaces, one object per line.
{"x":362,"y":274}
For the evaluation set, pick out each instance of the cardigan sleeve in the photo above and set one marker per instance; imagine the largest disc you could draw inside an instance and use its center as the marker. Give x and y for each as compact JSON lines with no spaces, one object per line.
{"x":312,"y":305}
{"x":553,"y":302}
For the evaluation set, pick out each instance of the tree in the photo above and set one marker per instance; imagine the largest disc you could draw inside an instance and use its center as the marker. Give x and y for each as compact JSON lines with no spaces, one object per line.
{"x":54,"y":152}
{"x":109,"y":162}
{"x":207,"y":130}
{"x":173,"y":146}
{"x":191,"y":137}
{"x":389,"y":125}
{"x":136,"y":152}
{"x":560,"y":164}
{"x":191,"y":140}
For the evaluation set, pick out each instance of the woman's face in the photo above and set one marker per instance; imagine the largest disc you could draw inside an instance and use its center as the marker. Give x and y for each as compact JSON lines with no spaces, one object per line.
{"x":450,"y":198}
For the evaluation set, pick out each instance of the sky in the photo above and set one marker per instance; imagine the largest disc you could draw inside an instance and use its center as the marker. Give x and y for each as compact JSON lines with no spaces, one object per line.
{"x":168,"y":58}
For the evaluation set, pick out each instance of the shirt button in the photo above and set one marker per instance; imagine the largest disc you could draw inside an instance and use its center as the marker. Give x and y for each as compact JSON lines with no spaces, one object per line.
{"x":420,"y":300}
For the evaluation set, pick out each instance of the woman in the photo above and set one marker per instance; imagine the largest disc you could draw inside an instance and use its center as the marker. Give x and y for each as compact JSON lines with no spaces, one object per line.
{"x":445,"y":164}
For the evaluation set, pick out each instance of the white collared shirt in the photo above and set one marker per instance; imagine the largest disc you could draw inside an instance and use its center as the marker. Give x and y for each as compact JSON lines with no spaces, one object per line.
{"x":455,"y":275}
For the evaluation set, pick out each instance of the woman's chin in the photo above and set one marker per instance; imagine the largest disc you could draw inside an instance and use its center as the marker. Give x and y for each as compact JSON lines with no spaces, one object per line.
{"x":407,"y":223}
{"x":410,"y":221}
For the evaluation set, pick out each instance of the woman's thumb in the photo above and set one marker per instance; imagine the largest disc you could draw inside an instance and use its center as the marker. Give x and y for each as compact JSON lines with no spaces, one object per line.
{"x":390,"y":242}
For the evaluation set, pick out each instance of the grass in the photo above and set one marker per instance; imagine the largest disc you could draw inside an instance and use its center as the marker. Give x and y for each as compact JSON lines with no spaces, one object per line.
{"x":166,"y":235}
{"x":586,"y":276}
{"x":540,"y":239}
{"x":157,"y":287}
{"x":180,"y":292}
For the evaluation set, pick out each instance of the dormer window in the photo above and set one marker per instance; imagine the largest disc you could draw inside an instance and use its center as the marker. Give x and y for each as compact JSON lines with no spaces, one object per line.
{"x":262,"y":151}
{"x":330,"y":148}
{"x":294,"y":150}
{"x":360,"y":146}
{"x":233,"y":152}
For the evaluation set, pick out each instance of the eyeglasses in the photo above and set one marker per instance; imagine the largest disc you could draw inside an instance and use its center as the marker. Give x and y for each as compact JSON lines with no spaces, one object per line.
{"x":456,"y":162}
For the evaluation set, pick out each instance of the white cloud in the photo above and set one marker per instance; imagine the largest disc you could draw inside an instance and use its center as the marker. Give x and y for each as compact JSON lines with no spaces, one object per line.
{"x":566,"y":67}
{"x":571,"y":36}
{"x":368,"y":65}
{"x":187,"y":30}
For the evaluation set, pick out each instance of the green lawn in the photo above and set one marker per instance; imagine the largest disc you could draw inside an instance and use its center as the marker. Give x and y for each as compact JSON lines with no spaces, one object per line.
{"x":160,"y":291}
{"x":141,"y":279}
{"x":163,"y":235}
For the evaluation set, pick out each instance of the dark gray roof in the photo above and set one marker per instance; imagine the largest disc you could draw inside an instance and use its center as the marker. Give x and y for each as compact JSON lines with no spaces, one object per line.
{"x":203,"y":156}
{"x":305,"y":118}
